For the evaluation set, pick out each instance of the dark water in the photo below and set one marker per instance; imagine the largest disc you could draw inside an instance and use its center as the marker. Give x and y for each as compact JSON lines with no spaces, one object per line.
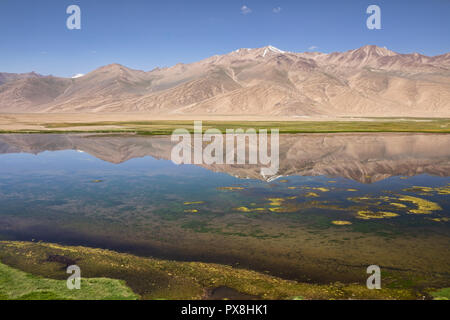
{"x":339,"y":204}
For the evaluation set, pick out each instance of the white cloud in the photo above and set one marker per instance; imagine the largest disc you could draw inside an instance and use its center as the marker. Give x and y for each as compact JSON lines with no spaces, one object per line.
{"x":276,"y":10}
{"x":313,"y":48}
{"x":245,"y":9}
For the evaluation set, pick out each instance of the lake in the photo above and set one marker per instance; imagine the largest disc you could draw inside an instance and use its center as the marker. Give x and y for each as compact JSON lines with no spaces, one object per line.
{"x":339,"y":203}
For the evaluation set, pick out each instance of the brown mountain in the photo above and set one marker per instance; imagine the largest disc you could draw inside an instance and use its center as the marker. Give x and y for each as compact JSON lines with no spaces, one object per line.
{"x":369,"y":81}
{"x":8,"y":77}
{"x":30,"y":94}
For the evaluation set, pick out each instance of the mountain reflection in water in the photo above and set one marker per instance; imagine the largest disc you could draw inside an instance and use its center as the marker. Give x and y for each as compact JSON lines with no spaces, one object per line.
{"x":361,"y":157}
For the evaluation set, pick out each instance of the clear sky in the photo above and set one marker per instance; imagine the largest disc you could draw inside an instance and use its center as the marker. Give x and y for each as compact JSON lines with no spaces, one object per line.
{"x":144,"y":34}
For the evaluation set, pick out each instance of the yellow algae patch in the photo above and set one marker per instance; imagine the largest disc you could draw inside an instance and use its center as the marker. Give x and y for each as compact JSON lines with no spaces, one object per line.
{"x":423,"y":206}
{"x":311,"y":195}
{"x":193,"y":202}
{"x":279,"y":209}
{"x":191,"y":211}
{"x":440,"y":219}
{"x":283,"y":181}
{"x":332,"y":181}
{"x":418,"y":189}
{"x":341,"y":222}
{"x":317,"y":188}
{"x":439,"y":190}
{"x":388,"y":214}
{"x":292,"y":187}
{"x":230,"y":188}
{"x":96,"y":181}
{"x":366,"y":214}
{"x":443,"y":190}
{"x":275,"y":201}
{"x":352,"y":190}
{"x":358,"y":199}
{"x":245,"y":209}
{"x":288,"y":208}
{"x":398,"y":205}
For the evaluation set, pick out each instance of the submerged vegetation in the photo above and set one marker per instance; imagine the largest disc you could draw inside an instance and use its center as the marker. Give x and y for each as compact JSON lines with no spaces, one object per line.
{"x":368,"y":207}
{"x":193,"y":202}
{"x":427,"y":190}
{"x":398,"y":202}
{"x":366,"y":215}
{"x":230,"y":188}
{"x":423,"y":206}
{"x":245,"y":209}
{"x":341,"y":223}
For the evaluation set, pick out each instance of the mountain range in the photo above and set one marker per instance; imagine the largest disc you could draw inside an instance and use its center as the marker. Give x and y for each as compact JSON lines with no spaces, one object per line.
{"x":369,"y":81}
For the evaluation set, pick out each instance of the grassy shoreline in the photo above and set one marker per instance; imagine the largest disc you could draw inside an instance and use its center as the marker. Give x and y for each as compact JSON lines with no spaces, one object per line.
{"x":19,"y":285}
{"x":160,"y":127}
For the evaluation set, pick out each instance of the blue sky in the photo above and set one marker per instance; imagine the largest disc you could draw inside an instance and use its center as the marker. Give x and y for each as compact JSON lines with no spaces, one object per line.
{"x":144,"y":34}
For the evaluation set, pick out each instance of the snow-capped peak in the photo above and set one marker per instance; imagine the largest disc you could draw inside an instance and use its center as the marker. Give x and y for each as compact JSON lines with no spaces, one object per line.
{"x":276,"y":50}
{"x":272,"y":49}
{"x":79,"y":75}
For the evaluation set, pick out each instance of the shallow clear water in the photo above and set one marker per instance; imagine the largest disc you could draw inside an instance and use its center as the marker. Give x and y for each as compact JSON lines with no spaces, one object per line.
{"x":122,"y":192}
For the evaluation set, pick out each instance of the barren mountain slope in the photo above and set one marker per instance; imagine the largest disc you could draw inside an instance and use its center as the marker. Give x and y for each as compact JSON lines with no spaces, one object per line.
{"x":7,"y":77}
{"x":369,"y":81}
{"x":31,"y":93}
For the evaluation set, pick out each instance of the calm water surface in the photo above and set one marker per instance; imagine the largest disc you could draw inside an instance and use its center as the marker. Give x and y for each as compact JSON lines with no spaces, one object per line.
{"x":339,"y":204}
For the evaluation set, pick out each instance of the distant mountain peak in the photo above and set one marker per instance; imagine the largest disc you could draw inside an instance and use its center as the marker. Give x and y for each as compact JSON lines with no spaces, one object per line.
{"x":115,"y":69}
{"x":271,"y":49}
{"x":274,"y":49}
{"x":114,"y":66}
{"x":373,"y":50}
{"x":34,"y":74}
